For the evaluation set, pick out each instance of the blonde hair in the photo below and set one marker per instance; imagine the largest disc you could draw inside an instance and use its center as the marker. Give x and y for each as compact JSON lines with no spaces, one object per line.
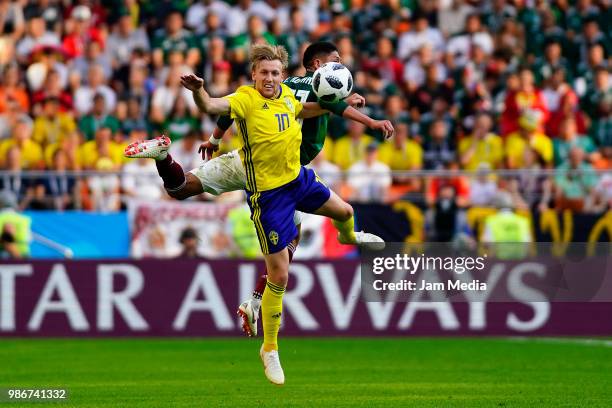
{"x":266,"y":52}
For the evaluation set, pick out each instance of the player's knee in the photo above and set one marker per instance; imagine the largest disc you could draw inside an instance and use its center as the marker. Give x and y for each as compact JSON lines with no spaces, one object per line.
{"x":347,"y":212}
{"x":278,"y":275}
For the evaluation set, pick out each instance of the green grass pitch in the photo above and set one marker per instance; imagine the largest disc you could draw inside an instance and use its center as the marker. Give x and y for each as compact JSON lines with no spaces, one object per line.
{"x":334,"y":372}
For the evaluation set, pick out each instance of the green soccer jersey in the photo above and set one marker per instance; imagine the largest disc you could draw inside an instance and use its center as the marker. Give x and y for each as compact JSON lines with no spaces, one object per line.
{"x":314,"y":129}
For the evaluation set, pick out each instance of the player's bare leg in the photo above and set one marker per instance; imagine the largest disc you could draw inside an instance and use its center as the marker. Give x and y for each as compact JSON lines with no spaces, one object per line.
{"x":277,"y":265}
{"x":341,"y":213}
{"x":249,"y":309}
{"x":178,"y":184}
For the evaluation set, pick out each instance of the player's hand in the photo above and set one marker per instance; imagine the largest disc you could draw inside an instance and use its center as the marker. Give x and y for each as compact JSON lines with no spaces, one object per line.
{"x":207,"y":150}
{"x":356,"y":101}
{"x":385,"y":126}
{"x":192,"y":82}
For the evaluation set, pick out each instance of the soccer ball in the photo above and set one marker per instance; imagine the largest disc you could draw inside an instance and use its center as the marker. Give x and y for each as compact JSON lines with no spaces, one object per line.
{"x":332,"y":82}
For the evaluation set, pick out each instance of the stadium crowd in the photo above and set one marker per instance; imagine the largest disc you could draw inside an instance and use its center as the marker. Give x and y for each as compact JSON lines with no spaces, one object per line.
{"x":472,"y":85}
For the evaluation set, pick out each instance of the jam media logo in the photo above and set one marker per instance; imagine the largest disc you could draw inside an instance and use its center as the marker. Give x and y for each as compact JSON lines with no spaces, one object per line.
{"x":273,"y":236}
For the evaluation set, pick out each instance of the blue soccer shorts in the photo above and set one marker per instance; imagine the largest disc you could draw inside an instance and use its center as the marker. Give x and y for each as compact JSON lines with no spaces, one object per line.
{"x":272,"y":210}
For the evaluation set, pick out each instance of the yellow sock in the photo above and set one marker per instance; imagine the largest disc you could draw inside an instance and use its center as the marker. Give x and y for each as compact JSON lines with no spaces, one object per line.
{"x":346,"y":230}
{"x":271,"y":311}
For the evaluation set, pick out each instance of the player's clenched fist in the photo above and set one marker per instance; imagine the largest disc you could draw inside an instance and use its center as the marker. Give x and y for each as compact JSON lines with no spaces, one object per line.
{"x":192,"y":82}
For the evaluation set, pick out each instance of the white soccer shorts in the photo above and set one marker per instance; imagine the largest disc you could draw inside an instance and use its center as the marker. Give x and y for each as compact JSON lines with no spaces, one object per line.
{"x":224,"y":174}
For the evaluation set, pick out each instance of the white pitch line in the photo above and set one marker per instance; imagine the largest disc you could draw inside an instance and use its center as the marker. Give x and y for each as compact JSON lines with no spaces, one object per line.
{"x":564,"y":340}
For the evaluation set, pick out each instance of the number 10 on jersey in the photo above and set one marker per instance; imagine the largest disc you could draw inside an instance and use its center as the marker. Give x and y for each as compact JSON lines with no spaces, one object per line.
{"x":283,"y":121}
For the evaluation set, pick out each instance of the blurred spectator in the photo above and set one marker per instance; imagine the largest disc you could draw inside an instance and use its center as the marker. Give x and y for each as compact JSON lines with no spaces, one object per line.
{"x":585,"y":70}
{"x":37,"y":36}
{"x":444,"y":217}
{"x":154,"y":246}
{"x":11,"y":89}
{"x":52,"y":125}
{"x":506,"y":230}
{"x":31,"y":152}
{"x":131,"y":117}
{"x":70,"y":145}
{"x":400,"y":152}
{"x":12,"y":179}
{"x":528,"y":135}
{"x":459,"y":184}
{"x":101,"y":147}
{"x":11,"y":19}
{"x":351,"y":148}
{"x":553,"y":61}
{"x":562,"y":103}
{"x":60,"y":188}
{"x":575,"y":181}
{"x":237,"y":17}
{"x":200,"y":10}
{"x":483,"y":187}
{"x":220,"y":84}
{"x":531,"y":189}
{"x":80,"y":32}
{"x":432,"y":88}
{"x":52,"y":87}
{"x":84,"y":96}
{"x":329,"y":172}
{"x":481,"y":146}
{"x":452,"y":16}
{"x":189,"y":241}
{"x":185,"y":150}
{"x":415,"y":71}
{"x":388,"y":66}
{"x":474,"y":35}
{"x":420,"y":35}
{"x":124,"y":40}
{"x":439,"y":149}
{"x":103,"y":189}
{"x":140,"y":180}
{"x":567,"y":139}
{"x":256,"y":33}
{"x":369,"y":178}
{"x":295,"y":35}
{"x":92,"y":56}
{"x":526,"y":98}
{"x":598,"y":106}
{"x":242,"y":230}
{"x":174,"y":37}
{"x":98,"y":118}
{"x":14,"y":228}
{"x":603,"y":193}
{"x":179,"y":121}
{"x":165,"y":96}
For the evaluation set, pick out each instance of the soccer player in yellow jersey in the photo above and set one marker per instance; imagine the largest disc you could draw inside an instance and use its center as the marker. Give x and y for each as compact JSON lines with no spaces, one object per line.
{"x":266,"y":114}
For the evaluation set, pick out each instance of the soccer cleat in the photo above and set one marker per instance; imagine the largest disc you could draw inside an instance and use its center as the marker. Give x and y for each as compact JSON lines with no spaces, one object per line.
{"x":371,"y":241}
{"x":249,"y":314}
{"x":152,"y":149}
{"x":272,"y":367}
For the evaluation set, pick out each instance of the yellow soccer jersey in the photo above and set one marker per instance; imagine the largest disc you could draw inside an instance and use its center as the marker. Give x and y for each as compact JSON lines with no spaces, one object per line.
{"x":270,"y":135}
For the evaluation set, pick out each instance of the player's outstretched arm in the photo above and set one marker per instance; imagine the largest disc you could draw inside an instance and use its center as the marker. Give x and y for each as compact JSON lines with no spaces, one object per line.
{"x":311,"y":109}
{"x":213,"y":106}
{"x":385,"y":126}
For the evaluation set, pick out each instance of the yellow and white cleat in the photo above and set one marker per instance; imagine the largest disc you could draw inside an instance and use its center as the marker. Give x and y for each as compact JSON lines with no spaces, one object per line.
{"x":272,"y":366}
{"x":370,"y":241}
{"x":151,"y":149}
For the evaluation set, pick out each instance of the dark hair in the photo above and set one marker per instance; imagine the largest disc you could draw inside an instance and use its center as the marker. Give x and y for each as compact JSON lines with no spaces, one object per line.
{"x":315,"y":50}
